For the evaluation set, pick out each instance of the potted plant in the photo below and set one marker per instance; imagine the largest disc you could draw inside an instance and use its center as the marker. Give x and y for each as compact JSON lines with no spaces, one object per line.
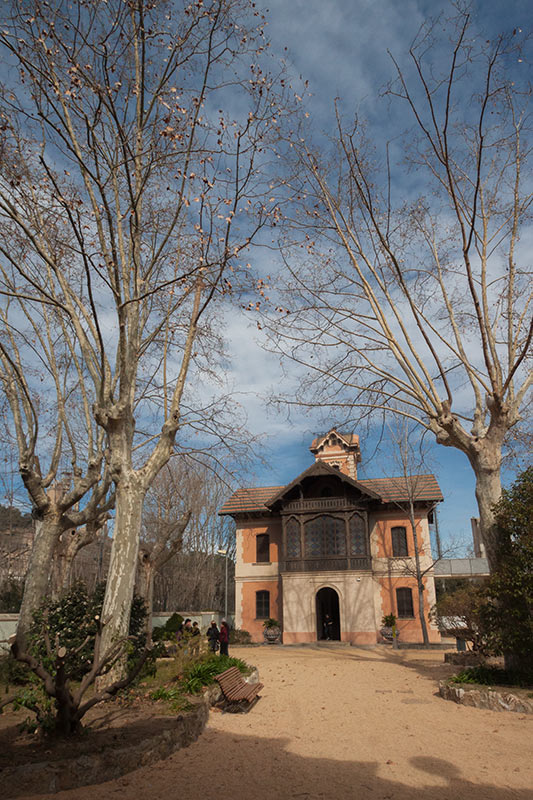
{"x":389,"y":631}
{"x":271,"y":631}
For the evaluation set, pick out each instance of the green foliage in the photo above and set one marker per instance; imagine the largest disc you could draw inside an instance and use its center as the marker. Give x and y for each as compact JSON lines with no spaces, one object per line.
{"x":173,"y":696}
{"x":13,"y":672}
{"x":72,"y":621}
{"x":444,"y":586}
{"x":202,"y":673}
{"x":462,"y":612}
{"x":271,"y":623}
{"x":36,"y":700}
{"x":493,"y":676}
{"x":389,"y":621}
{"x":508,"y":613}
{"x":168,"y":630}
{"x":11,"y":597}
{"x":239,"y":636}
{"x":173,"y":623}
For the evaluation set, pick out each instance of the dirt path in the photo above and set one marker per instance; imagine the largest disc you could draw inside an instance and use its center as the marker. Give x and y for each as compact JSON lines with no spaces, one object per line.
{"x":343,"y":723}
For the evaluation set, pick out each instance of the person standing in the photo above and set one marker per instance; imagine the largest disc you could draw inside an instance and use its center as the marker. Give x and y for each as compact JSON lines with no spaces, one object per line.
{"x":195,"y":639}
{"x":213,"y":637}
{"x":224,"y":638}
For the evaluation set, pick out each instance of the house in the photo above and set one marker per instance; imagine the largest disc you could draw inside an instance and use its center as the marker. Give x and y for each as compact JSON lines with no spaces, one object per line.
{"x":328,"y":543}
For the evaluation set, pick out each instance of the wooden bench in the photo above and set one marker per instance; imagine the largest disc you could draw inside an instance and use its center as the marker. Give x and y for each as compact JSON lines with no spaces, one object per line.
{"x":238,"y":694}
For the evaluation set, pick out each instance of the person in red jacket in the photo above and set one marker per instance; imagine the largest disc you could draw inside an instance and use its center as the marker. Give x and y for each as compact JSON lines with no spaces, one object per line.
{"x":223,"y":638}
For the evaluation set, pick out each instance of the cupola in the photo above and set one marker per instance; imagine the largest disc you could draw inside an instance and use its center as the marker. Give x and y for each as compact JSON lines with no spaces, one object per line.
{"x":338,"y":450}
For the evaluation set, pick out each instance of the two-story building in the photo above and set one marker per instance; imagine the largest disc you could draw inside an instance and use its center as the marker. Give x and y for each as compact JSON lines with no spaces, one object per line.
{"x":330,"y":544}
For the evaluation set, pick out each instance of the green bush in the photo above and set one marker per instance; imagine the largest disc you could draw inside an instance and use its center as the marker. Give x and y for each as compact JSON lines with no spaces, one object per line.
{"x":507,"y":614}
{"x":239,"y":636}
{"x":202,"y":673}
{"x":462,"y":611}
{"x":73,"y":622}
{"x":167,"y":631}
{"x":173,"y":696}
{"x":173,"y":623}
{"x":493,"y":676}
{"x":12,"y":672}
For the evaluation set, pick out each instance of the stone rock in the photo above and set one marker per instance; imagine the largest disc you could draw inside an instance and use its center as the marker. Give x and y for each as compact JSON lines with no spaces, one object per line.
{"x":485,"y":698}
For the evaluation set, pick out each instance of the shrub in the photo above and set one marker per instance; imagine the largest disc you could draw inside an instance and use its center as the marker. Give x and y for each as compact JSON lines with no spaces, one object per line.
{"x":12,"y":672}
{"x":239,"y":636}
{"x":167,"y":631}
{"x":73,"y":621}
{"x":493,"y":676}
{"x":508,"y":612}
{"x":202,"y":673}
{"x":460,"y":614}
{"x":173,"y":696}
{"x":173,"y":623}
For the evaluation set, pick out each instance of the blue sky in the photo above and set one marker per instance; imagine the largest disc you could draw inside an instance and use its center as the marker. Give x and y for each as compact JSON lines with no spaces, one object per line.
{"x":340,"y":47}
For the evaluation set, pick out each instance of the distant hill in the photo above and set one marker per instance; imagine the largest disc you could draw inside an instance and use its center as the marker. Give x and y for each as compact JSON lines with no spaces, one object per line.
{"x":10,"y":517}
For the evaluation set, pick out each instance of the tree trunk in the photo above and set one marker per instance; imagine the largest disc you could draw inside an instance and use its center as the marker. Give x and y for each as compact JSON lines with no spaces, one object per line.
{"x":488,"y":492}
{"x":47,"y":533}
{"x":122,"y":568}
{"x":146,"y":590}
{"x":419,"y":581}
{"x":149,"y":600}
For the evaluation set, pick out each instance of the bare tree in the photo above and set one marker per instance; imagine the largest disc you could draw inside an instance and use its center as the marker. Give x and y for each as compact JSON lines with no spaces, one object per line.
{"x":423,"y":307}
{"x":146,"y":197}
{"x":69,"y":544}
{"x":409,"y":454}
{"x":181,"y":524}
{"x":52,"y":425}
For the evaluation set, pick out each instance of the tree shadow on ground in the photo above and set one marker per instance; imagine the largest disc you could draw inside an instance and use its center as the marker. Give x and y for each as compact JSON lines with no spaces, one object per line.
{"x":434,"y":669}
{"x":223,"y":766}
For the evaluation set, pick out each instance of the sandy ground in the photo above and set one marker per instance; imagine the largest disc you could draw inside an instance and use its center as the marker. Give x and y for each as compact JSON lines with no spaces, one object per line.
{"x":343,"y":722}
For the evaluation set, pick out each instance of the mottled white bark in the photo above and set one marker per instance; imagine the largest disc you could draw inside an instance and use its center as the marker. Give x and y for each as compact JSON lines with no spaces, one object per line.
{"x":123,"y":565}
{"x":47,"y":533}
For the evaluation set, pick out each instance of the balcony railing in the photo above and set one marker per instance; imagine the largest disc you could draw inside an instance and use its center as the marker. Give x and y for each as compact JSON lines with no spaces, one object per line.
{"x":326,"y":563}
{"x":316,"y":504}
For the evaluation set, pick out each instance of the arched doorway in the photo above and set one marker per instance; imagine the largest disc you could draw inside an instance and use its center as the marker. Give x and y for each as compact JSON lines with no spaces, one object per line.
{"x":327,"y":603}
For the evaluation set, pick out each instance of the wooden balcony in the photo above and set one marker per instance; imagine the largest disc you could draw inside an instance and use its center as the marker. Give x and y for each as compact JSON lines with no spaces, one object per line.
{"x":316,"y":504}
{"x":326,"y":564}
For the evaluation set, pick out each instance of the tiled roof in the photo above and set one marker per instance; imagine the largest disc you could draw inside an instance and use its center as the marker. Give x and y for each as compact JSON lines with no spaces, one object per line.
{"x":247,"y":500}
{"x":395,"y":490}
{"x":425,"y":488}
{"x":349,"y":438}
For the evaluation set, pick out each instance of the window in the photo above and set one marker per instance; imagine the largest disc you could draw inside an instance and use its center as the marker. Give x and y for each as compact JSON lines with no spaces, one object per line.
{"x":262,"y":547}
{"x":399,"y":542}
{"x":262,"y":605}
{"x":293,"y":538}
{"x":325,"y":536}
{"x":357,"y":536}
{"x":404,"y":602}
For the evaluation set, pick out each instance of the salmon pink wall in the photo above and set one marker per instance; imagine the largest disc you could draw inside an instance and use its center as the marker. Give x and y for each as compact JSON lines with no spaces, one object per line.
{"x":383,"y":535}
{"x":249,"y":621}
{"x":410,"y":630}
{"x":249,"y":552}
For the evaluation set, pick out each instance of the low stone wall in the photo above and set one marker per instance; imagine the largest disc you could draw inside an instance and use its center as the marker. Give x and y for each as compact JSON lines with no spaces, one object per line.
{"x":109,"y":763}
{"x":485,"y":698}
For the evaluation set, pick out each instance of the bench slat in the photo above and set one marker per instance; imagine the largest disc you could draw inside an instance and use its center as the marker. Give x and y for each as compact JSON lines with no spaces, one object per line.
{"x":235,"y":688}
